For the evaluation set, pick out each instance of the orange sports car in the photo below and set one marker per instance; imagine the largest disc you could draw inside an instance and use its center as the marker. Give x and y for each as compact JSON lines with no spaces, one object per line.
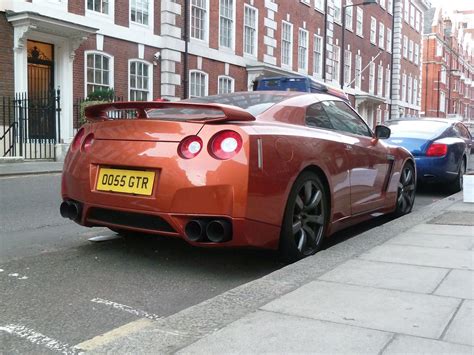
{"x":275,"y":170}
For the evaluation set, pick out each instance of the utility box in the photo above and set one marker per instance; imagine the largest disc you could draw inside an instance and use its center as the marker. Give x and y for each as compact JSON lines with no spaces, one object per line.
{"x":468,"y":187}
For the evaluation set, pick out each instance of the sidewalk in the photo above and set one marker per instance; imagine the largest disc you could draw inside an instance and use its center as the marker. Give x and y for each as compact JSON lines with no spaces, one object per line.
{"x":30,"y":168}
{"x":403,"y":287}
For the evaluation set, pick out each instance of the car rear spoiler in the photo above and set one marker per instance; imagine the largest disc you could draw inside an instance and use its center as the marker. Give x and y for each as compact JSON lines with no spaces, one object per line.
{"x":229,"y":113}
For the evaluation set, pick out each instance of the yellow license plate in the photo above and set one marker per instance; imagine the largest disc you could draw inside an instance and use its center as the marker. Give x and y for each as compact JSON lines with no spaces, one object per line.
{"x":126,"y":181}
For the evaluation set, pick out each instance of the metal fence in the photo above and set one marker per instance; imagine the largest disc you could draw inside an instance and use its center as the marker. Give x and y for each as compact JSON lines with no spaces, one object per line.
{"x":78,"y":119}
{"x":30,"y":127}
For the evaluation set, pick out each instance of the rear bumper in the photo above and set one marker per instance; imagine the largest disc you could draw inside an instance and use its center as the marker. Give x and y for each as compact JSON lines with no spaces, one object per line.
{"x":435,"y":170}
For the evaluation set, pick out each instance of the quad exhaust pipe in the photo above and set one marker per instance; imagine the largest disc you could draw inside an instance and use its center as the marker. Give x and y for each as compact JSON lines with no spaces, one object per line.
{"x":201,"y":230}
{"x":70,"y":209}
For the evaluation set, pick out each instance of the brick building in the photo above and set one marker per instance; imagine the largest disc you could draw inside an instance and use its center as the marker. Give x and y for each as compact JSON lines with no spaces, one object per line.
{"x":137,"y":47}
{"x":448,"y":64}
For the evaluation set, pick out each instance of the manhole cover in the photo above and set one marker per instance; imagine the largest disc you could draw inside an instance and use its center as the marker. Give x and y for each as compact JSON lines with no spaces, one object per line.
{"x":458,"y":218}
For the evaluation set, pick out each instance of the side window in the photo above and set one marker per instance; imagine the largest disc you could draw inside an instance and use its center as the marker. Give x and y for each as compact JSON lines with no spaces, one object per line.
{"x":344,"y":119}
{"x":316,"y":117}
{"x":464,"y":133}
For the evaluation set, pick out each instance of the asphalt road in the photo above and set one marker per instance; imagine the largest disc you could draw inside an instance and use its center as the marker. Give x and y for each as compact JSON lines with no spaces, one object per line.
{"x":58,"y":286}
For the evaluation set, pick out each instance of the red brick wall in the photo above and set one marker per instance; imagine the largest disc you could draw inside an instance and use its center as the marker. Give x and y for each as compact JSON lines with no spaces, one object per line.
{"x":7,"y":85}
{"x":77,"y":7}
{"x":122,"y":13}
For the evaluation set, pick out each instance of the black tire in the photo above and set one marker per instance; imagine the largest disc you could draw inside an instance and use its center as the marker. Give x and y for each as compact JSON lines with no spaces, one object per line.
{"x":406,"y":190}
{"x":305,"y":220}
{"x":457,"y":184}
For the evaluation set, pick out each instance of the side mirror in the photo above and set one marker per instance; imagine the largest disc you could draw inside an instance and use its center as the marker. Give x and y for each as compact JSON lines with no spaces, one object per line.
{"x":382,"y":132}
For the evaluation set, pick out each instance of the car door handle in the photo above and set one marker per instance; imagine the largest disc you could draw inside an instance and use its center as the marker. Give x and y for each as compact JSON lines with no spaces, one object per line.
{"x":348,"y":147}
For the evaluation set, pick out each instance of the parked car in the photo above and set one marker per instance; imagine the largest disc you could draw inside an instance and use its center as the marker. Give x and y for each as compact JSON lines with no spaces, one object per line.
{"x":275,"y":170}
{"x":441,"y":148}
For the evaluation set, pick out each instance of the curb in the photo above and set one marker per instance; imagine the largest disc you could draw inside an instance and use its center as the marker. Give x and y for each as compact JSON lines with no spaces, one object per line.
{"x":177,"y":331}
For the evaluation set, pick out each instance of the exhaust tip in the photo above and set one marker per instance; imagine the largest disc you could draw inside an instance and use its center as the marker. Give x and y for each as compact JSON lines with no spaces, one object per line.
{"x":64,"y":210}
{"x":195,"y":230}
{"x":219,"y":231}
{"x":70,"y":209}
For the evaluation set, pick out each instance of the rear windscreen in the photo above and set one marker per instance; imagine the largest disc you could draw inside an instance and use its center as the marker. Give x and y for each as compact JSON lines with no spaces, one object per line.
{"x":253,"y":102}
{"x":416,"y":128}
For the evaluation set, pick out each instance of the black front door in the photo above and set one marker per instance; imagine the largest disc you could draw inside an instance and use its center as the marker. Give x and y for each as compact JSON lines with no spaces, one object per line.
{"x":41,"y":103}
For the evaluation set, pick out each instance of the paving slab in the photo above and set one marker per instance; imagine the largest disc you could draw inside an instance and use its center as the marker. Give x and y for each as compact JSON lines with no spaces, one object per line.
{"x":434,"y":240}
{"x":387,"y":310}
{"x":404,"y":344}
{"x":459,"y":283}
{"x":461,"y":329}
{"x":423,"y":256}
{"x":266,"y":332}
{"x":387,"y":275}
{"x":467,"y":231}
{"x":462,"y":218}
{"x":462,"y":206}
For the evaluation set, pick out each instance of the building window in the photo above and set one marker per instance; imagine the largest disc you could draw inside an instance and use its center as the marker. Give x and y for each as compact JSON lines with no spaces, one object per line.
{"x":442,"y":101}
{"x":358,"y":70}
{"x":416,"y":58}
{"x":410,"y":51}
{"x":389,"y":40}
{"x":382,"y":4}
{"x":387,"y":83}
{"x":349,"y":12}
{"x":373,"y":30}
{"x":381,"y":35}
{"x":318,"y":56}
{"x":347,"y":67}
{"x":101,"y":6}
{"x":439,"y":48}
{"x":415,"y":92}
{"x":303,"y":49}
{"x":406,"y":9}
{"x":139,"y":11}
{"x":380,"y":80}
{"x":226,"y":23}
{"x":417,"y":20}
{"x":412,"y":16}
{"x":336,"y":60}
{"x":359,"y":24}
{"x":390,"y":6}
{"x":337,"y":11}
{"x":443,"y":75}
{"x":225,"y":85}
{"x":404,"y":87}
{"x":319,"y":5}
{"x":371,"y":77}
{"x":405,"y":47}
{"x":197,"y":84}
{"x":250,"y":30}
{"x":139,"y":81}
{"x":409,"y":90}
{"x":198,"y":19}
{"x":99,"y":72}
{"x":286,"y":43}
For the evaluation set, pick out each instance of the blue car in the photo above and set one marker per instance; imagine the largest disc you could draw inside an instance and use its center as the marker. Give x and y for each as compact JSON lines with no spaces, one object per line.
{"x":441,"y":148}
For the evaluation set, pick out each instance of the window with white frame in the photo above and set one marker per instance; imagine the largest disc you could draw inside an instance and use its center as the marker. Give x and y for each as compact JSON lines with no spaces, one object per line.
{"x":417,"y":20}
{"x":387,"y":82}
{"x":349,"y":15}
{"x":371,"y":77}
{"x":139,"y":11}
{"x":415,"y":91}
{"x":302,"y":49}
{"x":198,"y":84}
{"x":439,"y":48}
{"x":319,"y":5}
{"x":381,"y":35}
{"x":101,"y":6}
{"x":250,"y":30}
{"x":358,"y":71}
{"x":347,"y":67}
{"x":390,"y":6}
{"x":404,"y":87}
{"x":359,"y":22}
{"x":443,"y":75}
{"x":226,"y":23}
{"x":389,"y":40}
{"x":318,"y":56}
{"x":405,"y":47}
{"x":337,"y":11}
{"x":373,"y":30}
{"x":410,"y":51}
{"x":382,"y":4}
{"x":406,"y":8}
{"x":286,"y":43}
{"x":336,"y":60}
{"x":380,"y":80}
{"x":199,"y":19}
{"x":409,"y":89}
{"x":225,"y":85}
{"x":416,"y":57}
{"x":98,"y":72}
{"x":139,"y":81}
{"x":442,"y":101}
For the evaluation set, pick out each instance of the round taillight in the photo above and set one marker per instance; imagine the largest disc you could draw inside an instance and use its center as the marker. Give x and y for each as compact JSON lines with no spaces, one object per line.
{"x":76,"y":142}
{"x":224,"y":145}
{"x":190,"y":147}
{"x":87,"y":143}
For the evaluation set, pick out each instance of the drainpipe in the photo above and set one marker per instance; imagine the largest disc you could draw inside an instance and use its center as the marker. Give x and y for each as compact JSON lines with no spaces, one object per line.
{"x":184,"y":94}
{"x":325,"y":38}
{"x":391,"y":62}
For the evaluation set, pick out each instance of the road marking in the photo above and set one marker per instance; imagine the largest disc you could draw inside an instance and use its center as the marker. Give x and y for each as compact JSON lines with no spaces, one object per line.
{"x":39,"y":339}
{"x":17,"y":275}
{"x":114,"y":334}
{"x":126,"y":308}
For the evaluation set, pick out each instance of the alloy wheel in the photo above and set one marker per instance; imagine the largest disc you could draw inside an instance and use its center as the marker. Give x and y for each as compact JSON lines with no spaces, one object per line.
{"x":406,"y":190}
